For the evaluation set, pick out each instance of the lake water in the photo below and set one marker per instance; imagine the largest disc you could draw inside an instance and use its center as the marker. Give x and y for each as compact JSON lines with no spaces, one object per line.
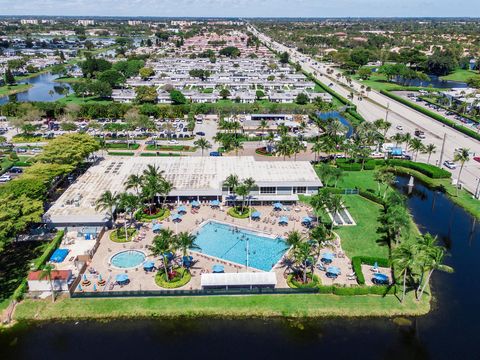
{"x":435,"y":82}
{"x":450,"y":331}
{"x":44,"y":88}
{"x":336,"y":115}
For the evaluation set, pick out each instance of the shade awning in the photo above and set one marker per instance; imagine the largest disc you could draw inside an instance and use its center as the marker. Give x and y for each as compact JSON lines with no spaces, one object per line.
{"x":121,"y":277}
{"x":307,"y":219}
{"x":156,"y":227}
{"x":333,"y":270}
{"x":148,"y":264}
{"x":256,"y":214}
{"x":283,"y":219}
{"x":328,"y":256}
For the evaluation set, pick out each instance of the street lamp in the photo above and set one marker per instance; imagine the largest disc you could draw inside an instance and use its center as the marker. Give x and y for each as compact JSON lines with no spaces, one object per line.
{"x":477,"y":192}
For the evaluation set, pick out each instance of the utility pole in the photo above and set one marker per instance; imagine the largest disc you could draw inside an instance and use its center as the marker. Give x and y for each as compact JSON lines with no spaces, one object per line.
{"x":386,"y":114}
{"x":443,"y":148}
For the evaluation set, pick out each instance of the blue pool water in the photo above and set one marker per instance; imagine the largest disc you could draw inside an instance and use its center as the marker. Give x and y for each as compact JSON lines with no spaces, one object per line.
{"x":219,"y":240}
{"x":128,"y":259}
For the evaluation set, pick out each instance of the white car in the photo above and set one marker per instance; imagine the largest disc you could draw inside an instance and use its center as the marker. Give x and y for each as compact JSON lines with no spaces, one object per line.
{"x":172,"y":142}
{"x":5,"y":178}
{"x":399,"y":127}
{"x":450,"y":164}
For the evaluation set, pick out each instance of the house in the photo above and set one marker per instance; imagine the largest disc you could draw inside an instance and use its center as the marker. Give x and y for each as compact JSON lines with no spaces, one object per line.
{"x":61,"y":280}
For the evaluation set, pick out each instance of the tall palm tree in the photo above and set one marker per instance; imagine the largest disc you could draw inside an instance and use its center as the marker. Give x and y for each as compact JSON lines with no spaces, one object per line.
{"x":416,"y":146}
{"x":430,"y":149}
{"x":231,"y":182}
{"x":404,"y":259}
{"x":129,"y":203}
{"x":243,"y":191}
{"x":433,"y":260}
{"x":398,"y":139}
{"x":263,"y":125}
{"x":161,"y":245}
{"x":462,"y":156}
{"x":186,"y":241}
{"x":296,"y":147}
{"x":293,"y":239}
{"x":284,"y":147}
{"x":107,"y":201}
{"x":250,"y":185}
{"x":319,"y":234}
{"x":203,"y":144}
{"x":237,"y":145}
{"x":302,"y":252}
{"x":166,"y":188}
{"x":135,"y":182}
{"x":335,"y":204}
{"x":396,"y":220}
{"x":47,"y":273}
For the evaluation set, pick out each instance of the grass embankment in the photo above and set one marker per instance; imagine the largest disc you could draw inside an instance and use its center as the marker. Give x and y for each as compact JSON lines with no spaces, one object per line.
{"x":295,"y":305}
{"x":69,"y":80}
{"x":379,"y":82}
{"x":461,"y":75}
{"x":8,"y":90}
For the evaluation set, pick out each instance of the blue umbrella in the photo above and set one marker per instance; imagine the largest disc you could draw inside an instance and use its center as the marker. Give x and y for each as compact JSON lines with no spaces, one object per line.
{"x":215,"y":203}
{"x":375,"y":266}
{"x":148,"y":264}
{"x":176,"y":217}
{"x":218,"y":268}
{"x":121,"y":278}
{"x":307,"y":219}
{"x":94,"y":287}
{"x":99,"y":277}
{"x":283,"y":220}
{"x":84,"y":277}
{"x":79,"y":287}
{"x":256,"y":214}
{"x":333,"y":270}
{"x":181,"y":209}
{"x":278,"y":205}
{"x":156,"y":227}
{"x":380,"y":277}
{"x":195,"y":203}
{"x":328,"y":256}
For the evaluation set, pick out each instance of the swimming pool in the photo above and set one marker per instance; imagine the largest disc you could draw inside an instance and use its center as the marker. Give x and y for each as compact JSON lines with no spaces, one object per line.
{"x":220,"y":240}
{"x":128,"y":259}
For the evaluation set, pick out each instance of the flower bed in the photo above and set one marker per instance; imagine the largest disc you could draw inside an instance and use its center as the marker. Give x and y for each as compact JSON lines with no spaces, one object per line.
{"x":295,"y":281}
{"x":118,"y":235}
{"x":157,"y":214}
{"x":236,"y":213}
{"x":178,"y":277}
{"x":263,"y":151}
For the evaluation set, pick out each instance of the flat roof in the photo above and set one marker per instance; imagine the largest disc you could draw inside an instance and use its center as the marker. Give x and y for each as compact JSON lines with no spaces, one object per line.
{"x":190,"y":175}
{"x":239,"y":279}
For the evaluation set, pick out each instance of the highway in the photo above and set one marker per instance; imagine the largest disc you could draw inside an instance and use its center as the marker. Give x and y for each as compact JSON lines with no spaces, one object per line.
{"x":376,"y":106}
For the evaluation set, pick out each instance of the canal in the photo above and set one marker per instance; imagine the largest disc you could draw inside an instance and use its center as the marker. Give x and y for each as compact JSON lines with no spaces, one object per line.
{"x":448,"y":332}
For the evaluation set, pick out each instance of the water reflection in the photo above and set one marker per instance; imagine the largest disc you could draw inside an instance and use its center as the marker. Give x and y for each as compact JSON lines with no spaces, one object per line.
{"x":44,"y":88}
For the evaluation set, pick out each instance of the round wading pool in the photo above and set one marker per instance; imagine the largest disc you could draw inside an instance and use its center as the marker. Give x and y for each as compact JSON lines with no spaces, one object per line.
{"x":128,"y":259}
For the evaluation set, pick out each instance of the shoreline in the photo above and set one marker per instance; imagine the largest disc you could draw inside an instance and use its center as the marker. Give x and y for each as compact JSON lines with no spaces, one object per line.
{"x":223,"y":307}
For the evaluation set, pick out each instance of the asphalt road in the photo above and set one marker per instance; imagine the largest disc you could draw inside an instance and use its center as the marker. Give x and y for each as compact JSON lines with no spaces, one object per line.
{"x":378,"y":106}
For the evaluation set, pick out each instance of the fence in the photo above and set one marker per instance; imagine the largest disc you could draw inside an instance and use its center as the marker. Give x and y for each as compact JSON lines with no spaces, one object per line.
{"x":204,"y":292}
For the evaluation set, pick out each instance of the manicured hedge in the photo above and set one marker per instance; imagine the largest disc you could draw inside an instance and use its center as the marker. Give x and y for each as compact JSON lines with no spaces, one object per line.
{"x":349,"y":165}
{"x":22,"y":164}
{"x":161,"y":215}
{"x":294,"y":284}
{"x":122,"y":146}
{"x":371,"y":196}
{"x":431,"y":171}
{"x":434,"y":115}
{"x":120,"y":153}
{"x":161,"y":280}
{"x":357,"y":290}
{"x":327,"y":89}
{"x":357,"y":262}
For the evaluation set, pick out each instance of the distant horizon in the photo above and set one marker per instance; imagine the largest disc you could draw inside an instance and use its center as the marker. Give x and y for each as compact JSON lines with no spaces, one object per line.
{"x":243,"y":8}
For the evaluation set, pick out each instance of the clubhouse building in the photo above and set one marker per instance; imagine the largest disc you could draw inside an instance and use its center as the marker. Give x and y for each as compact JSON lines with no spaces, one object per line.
{"x":193,"y":178}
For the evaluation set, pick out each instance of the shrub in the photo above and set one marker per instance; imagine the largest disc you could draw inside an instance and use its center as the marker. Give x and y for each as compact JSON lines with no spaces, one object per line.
{"x":22,"y":164}
{"x":352,"y":290}
{"x":325,"y":289}
{"x":120,"y":153}
{"x":118,"y":235}
{"x":235,"y":212}
{"x":42,"y":259}
{"x":295,"y":284}
{"x":371,"y":196}
{"x":431,"y":171}
{"x":162,"y":214}
{"x":357,"y":262}
{"x":434,"y":115}
{"x":122,"y":146}
{"x":181,"y":278}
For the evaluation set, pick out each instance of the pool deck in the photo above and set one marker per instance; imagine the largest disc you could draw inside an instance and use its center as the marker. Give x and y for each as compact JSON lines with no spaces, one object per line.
{"x":142,"y":280}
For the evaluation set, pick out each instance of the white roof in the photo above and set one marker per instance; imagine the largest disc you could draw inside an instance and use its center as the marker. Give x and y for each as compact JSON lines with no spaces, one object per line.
{"x":239,"y":279}
{"x":190,"y":175}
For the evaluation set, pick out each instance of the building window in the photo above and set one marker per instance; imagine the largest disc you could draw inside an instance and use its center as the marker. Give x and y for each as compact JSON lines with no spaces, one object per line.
{"x":300,"y":190}
{"x":268,"y":190}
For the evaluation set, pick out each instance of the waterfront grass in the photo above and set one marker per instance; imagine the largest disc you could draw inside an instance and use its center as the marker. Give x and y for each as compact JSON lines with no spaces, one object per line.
{"x":362,"y":239}
{"x":294,"y":305}
{"x":379,"y":82}
{"x":8,"y":90}
{"x":461,"y":75}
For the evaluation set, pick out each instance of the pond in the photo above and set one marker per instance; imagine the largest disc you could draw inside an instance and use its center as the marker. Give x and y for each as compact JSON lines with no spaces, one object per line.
{"x":434,"y":81}
{"x":450,"y":331}
{"x":44,"y":88}
{"x":336,"y":115}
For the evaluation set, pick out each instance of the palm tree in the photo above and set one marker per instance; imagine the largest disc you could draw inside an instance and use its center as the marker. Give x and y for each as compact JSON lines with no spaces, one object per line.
{"x":396,"y":220}
{"x":416,"y":145}
{"x":319,"y":234}
{"x":316,"y":148}
{"x":430,"y":149}
{"x":135,"y":182}
{"x":335,"y":204}
{"x":433,"y":260}
{"x":231,"y":182}
{"x":263,"y":125}
{"x":462,"y":155}
{"x":297,"y":146}
{"x":166,"y":188}
{"x":284,"y":147}
{"x":334,"y":127}
{"x":302,"y":252}
{"x":161,"y":245}
{"x":404,"y":259}
{"x":107,"y":201}
{"x":250,"y":185}
{"x":47,"y":273}
{"x":398,"y":138}
{"x":186,"y":241}
{"x":129,"y":203}
{"x":237,"y":145}
{"x":293,"y":239}
{"x":203,"y":144}
{"x":243,"y":191}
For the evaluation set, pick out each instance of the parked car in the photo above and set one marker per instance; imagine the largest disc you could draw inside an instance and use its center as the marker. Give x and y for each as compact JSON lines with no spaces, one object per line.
{"x":215,"y":153}
{"x":4,"y":178}
{"x":15,"y":170}
{"x":449,"y":164}
{"x":399,"y":127}
{"x":200,"y":133}
{"x":420,"y":134}
{"x":172,"y":142}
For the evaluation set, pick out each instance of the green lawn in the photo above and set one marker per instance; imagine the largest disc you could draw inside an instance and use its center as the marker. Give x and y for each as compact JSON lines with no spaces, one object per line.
{"x":69,"y":80}
{"x":5,"y":163}
{"x":461,"y":75}
{"x":359,"y":179}
{"x":72,"y":98}
{"x":13,"y":89}
{"x":379,"y":82}
{"x":296,"y":305}
{"x":362,"y":239}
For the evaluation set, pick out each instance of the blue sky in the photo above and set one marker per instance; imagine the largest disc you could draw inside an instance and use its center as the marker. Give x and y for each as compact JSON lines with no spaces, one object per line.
{"x":243,"y":8}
